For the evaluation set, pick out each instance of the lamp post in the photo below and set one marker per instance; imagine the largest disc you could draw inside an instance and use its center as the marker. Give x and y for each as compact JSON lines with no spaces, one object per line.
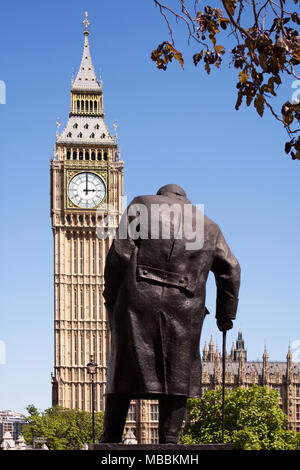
{"x":92,"y":370}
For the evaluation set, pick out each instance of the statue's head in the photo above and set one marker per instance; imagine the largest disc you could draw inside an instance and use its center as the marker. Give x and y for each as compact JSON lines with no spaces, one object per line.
{"x":171,"y":189}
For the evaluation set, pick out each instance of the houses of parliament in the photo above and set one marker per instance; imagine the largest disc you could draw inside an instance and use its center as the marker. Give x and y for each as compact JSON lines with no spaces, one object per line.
{"x":86,"y":182}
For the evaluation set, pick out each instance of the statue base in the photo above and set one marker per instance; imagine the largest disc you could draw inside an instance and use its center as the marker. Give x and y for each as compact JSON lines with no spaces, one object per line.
{"x":159,"y":447}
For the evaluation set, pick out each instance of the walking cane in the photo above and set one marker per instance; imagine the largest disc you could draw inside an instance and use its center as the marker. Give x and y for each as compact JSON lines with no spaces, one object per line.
{"x":223,"y":382}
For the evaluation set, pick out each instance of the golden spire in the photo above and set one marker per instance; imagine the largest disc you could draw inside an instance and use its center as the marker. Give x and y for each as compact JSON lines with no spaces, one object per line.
{"x":86,"y":23}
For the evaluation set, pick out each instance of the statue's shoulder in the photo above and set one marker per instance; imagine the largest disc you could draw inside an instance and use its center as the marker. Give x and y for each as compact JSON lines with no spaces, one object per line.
{"x":211,"y":226}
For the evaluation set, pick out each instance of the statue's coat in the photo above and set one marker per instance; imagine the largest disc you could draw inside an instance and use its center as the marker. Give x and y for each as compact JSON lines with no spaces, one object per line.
{"x":155,"y":299}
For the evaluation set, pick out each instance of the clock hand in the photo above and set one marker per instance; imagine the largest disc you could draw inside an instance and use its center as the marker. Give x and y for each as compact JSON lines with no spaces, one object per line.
{"x":86,"y":183}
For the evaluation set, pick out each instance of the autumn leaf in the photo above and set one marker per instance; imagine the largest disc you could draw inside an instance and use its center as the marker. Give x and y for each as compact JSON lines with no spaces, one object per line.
{"x":243,"y":76}
{"x":220,"y":49}
{"x":297,"y":54}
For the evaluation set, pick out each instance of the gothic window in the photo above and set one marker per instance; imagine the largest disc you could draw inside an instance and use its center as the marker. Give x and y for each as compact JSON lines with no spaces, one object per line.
{"x":93,"y":155}
{"x":75,"y":125}
{"x":93,"y":256}
{"x":100,"y":351}
{"x":75,"y":304}
{"x":75,"y":257}
{"x":97,"y":126}
{"x":81,"y":303}
{"x":82,"y":398}
{"x":81,"y":349}
{"x":154,"y":413}
{"x":131,"y":413}
{"x":91,"y":106}
{"x":105,"y":155}
{"x":76,"y":397}
{"x":81,"y":152}
{"x":69,"y":134}
{"x":68,"y":155}
{"x":297,"y":412}
{"x":103,"y":136}
{"x":99,"y":156}
{"x":75,"y":349}
{"x":82,"y":106}
{"x":94,"y":347}
{"x":95,"y":107}
{"x":81,"y":257}
{"x":78,"y":106}
{"x":86,"y":126}
{"x":79,"y":135}
{"x":92,"y":136}
{"x":94,"y":304}
{"x":87,"y":155}
{"x":74,"y":155}
{"x":153,"y":435}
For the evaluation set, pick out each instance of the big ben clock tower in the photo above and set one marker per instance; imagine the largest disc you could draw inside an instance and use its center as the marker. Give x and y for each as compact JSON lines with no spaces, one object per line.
{"x":86,"y":178}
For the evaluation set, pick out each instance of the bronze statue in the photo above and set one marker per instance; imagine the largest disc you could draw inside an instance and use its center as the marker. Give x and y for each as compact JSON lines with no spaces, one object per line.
{"x":155,"y":298}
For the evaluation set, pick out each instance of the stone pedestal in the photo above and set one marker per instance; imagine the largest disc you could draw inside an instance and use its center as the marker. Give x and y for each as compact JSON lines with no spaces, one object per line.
{"x":158,"y":447}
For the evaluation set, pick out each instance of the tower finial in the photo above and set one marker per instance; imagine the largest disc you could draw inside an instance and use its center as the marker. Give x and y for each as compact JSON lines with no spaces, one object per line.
{"x":58,"y":124}
{"x":86,"y":23}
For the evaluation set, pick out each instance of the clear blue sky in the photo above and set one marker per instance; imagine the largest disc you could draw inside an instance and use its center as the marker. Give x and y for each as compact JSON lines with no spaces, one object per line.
{"x":173,"y":127}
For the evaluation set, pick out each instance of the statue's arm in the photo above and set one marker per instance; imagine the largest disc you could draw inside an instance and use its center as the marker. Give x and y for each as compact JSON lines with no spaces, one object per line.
{"x":227,"y":274}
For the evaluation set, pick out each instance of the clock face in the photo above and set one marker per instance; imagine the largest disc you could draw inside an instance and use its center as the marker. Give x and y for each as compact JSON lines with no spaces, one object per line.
{"x":86,"y":190}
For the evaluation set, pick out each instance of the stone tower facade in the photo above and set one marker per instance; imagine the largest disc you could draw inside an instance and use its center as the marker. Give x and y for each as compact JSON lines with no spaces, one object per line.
{"x":86,"y":186}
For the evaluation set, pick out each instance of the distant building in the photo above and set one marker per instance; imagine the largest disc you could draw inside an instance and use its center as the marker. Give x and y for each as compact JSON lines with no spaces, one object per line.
{"x":12,"y":422}
{"x":281,"y":376}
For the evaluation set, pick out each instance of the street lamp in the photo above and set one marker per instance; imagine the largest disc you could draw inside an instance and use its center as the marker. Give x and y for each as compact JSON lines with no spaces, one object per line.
{"x":92,"y":370}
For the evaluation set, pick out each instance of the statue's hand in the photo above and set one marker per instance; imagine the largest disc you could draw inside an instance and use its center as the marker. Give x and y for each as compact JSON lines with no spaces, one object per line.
{"x":224,"y":324}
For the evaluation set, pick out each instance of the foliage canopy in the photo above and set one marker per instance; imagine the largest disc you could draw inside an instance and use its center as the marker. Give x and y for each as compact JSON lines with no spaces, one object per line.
{"x":253,"y":420}
{"x":64,"y":429}
{"x":266,"y":49}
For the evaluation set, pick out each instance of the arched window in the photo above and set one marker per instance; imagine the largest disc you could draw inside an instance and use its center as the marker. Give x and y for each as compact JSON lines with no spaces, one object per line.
{"x":105,"y":155}
{"x":92,"y":136}
{"x":93,"y":155}
{"x":69,"y":134}
{"x":87,"y":155}
{"x":91,"y":106}
{"x":78,"y":106}
{"x":80,"y":135}
{"x":81,"y":155}
{"x":82,"y":106}
{"x":95,"y":106}
{"x":86,"y":126}
{"x":74,"y":155}
{"x":68,"y":155}
{"x":99,"y":156}
{"x":97,"y":126}
{"x":75,"y":125}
